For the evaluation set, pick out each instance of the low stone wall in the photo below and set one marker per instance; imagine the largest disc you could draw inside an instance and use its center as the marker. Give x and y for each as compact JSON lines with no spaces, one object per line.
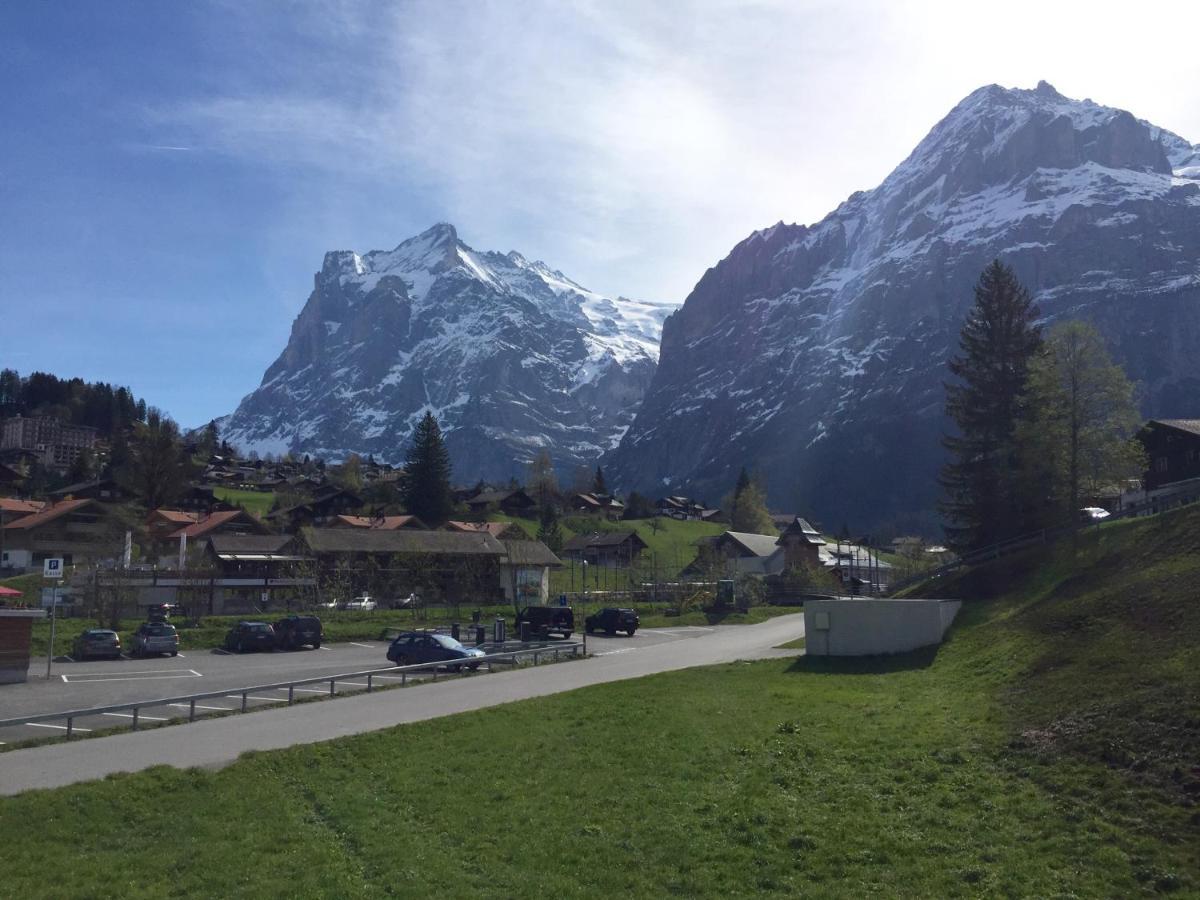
{"x":16,"y":627}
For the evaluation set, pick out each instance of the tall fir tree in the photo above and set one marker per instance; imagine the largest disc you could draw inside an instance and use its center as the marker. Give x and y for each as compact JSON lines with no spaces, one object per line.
{"x":986,"y":499}
{"x":599,"y":486}
{"x":747,"y":507}
{"x":427,"y":493}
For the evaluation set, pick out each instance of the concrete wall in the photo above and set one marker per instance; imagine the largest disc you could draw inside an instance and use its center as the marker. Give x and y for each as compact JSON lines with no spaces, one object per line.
{"x":870,"y":627}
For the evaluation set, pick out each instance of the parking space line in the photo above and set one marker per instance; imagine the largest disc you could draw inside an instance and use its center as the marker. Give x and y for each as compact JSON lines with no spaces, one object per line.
{"x":59,"y":727}
{"x":144,"y":675}
{"x":253,"y":697}
{"x":140,"y":716}
{"x":198,"y":706}
{"x":324,"y":648}
{"x":357,"y":644}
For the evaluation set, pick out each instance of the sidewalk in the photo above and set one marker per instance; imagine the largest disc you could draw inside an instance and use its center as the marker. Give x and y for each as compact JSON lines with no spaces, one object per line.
{"x":214,"y":743}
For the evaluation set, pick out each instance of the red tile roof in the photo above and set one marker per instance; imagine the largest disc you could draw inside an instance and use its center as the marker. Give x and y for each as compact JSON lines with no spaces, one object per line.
{"x":177,"y":515}
{"x":382,"y":523}
{"x":210,"y":523}
{"x":23,"y":507}
{"x":48,"y":514}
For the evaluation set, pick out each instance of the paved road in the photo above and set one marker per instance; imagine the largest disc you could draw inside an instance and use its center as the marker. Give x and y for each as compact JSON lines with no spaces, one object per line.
{"x":218,"y":742}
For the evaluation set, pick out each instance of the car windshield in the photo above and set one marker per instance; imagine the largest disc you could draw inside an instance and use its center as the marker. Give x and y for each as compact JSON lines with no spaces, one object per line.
{"x":260,"y":627}
{"x":448,"y":642}
{"x":99,"y":634}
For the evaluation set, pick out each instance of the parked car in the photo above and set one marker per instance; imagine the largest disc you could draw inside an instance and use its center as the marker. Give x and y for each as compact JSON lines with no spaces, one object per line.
{"x":95,"y":642}
{"x":1093,"y":514}
{"x":155,"y":637}
{"x":250,"y":636}
{"x":293,"y":632}
{"x":409,"y":602}
{"x":363,"y":603}
{"x":412,"y":647}
{"x":612,"y":619}
{"x":544,"y":620}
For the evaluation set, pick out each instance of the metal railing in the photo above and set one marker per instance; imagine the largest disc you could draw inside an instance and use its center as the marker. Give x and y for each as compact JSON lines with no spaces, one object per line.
{"x":463,"y":669}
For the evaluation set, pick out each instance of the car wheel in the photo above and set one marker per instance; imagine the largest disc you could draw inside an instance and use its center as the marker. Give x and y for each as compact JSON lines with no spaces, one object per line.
{"x":566,"y":635}
{"x":631,"y":631}
{"x":402,"y":660}
{"x":174,"y":652}
{"x":316,"y":645}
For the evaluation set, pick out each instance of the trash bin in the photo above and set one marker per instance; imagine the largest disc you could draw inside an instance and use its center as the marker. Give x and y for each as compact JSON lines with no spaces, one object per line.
{"x":480,"y":634}
{"x":498,"y":631}
{"x":454,"y":630}
{"x":525,"y":632}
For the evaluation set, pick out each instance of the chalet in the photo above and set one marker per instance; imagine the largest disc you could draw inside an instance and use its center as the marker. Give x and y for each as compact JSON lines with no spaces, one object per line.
{"x":106,"y":490}
{"x":325,"y":506}
{"x":162,"y":523}
{"x":78,"y":531}
{"x":248,"y":568}
{"x":685,"y":508}
{"x":512,"y":503}
{"x":384,"y":523}
{"x":801,"y":544}
{"x":12,"y":509}
{"x":1173,"y":450}
{"x":611,"y":548}
{"x":228,"y":521}
{"x":739,"y":552}
{"x":451,"y":566}
{"x":501,"y":531}
{"x":598,"y":504}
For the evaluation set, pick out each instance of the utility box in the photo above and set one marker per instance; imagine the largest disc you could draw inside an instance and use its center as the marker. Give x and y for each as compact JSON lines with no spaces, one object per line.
{"x":860,"y":626}
{"x":16,"y":629}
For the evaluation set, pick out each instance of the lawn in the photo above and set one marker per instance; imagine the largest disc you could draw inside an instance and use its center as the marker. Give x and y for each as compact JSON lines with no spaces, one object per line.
{"x":257,"y":503}
{"x":1049,"y":748}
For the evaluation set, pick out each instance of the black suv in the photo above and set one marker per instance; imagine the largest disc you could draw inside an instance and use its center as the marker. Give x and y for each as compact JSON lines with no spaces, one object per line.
{"x":546,"y":619}
{"x":293,"y":632}
{"x":612,"y":619}
{"x":250,"y":636}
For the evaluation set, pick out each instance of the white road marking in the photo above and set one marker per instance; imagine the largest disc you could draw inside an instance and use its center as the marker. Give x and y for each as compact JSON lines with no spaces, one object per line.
{"x":253,"y":697}
{"x":146,"y":675}
{"x":140,"y":716}
{"x":59,"y":727}
{"x":198,"y":706}
{"x":324,"y":648}
{"x":357,"y":644}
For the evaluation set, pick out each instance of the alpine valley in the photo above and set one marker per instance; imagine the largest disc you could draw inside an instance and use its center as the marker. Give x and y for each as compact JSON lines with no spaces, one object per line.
{"x":817,"y":354}
{"x":511,"y":356}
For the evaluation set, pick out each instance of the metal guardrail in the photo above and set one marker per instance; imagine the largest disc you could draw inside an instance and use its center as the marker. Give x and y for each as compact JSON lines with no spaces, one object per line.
{"x":576,"y":648}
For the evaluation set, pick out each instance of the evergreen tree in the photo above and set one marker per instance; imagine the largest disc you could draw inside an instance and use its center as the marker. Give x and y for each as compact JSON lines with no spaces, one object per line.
{"x":599,"y":486}
{"x":986,"y":499}
{"x":747,"y":507}
{"x":426,"y":489}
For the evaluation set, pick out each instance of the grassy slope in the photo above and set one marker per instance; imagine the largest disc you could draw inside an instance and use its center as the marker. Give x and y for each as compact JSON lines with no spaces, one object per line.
{"x":257,"y":503}
{"x":1049,"y":748}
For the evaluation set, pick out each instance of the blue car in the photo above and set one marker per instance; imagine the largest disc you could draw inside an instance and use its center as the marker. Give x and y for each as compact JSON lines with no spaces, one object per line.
{"x":413,"y":647}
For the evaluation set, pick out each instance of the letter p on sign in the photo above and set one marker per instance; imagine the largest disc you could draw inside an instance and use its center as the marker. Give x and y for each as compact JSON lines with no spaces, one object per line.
{"x":52,"y":568}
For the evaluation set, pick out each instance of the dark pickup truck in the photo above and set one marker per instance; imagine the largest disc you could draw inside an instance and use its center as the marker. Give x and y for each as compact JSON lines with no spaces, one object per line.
{"x":545,"y":620}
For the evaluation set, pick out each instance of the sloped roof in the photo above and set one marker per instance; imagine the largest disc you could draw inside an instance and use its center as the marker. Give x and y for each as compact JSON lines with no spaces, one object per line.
{"x":757,"y":544}
{"x":1192,"y":426}
{"x":83,"y":486}
{"x":180,"y":516}
{"x":530,"y":553}
{"x":384,"y":523}
{"x":405,"y":540}
{"x":48,"y":514}
{"x":601,"y":539}
{"x":499,"y":497}
{"x":21,"y":507}
{"x":804,"y":530}
{"x":496,"y":529}
{"x":213,"y":521}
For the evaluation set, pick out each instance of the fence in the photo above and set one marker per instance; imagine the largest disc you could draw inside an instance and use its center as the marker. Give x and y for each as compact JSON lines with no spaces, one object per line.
{"x":134,"y":708}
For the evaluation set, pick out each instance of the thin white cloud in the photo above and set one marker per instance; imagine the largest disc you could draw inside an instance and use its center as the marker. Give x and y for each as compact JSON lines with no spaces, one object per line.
{"x":631,"y":144}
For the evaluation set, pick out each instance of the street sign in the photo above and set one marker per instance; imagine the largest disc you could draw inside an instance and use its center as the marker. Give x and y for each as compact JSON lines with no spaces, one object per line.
{"x":52,"y":568}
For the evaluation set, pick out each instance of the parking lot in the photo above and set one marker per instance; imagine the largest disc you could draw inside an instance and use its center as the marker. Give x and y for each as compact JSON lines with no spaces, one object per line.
{"x":82,"y":685}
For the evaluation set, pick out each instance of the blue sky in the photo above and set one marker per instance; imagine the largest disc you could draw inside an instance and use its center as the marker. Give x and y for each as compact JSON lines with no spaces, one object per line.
{"x":172,"y":173}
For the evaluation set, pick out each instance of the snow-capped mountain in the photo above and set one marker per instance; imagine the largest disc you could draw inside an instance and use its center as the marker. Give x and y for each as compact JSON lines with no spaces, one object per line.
{"x":817,"y":354}
{"x":511,"y":356}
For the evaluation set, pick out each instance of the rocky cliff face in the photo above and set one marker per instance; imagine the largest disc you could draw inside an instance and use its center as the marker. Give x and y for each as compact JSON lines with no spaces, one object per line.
{"x":817,"y":354}
{"x":510,"y":356}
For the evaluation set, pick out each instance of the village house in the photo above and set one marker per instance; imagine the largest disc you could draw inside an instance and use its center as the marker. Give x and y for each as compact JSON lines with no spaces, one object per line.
{"x":598,"y":504}
{"x":501,"y":531}
{"x":601,"y":548}
{"x":685,"y":508}
{"x":80,"y":532}
{"x":106,"y":490}
{"x":325,"y":506}
{"x":511,"y":503}
{"x":1172,"y":450}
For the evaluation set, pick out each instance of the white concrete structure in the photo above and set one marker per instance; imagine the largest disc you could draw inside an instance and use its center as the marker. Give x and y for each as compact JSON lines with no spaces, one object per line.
{"x":856,"y":626}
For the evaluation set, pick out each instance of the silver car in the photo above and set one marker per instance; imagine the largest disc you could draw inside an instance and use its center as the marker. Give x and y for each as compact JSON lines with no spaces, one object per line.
{"x":154,"y":637}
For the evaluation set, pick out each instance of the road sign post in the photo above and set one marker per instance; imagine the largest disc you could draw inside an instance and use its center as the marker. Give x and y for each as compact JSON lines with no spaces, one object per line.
{"x":53,"y":569}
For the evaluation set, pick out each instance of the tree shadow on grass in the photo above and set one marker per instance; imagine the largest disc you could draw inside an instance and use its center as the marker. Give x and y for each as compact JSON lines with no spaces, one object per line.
{"x":866,"y":665}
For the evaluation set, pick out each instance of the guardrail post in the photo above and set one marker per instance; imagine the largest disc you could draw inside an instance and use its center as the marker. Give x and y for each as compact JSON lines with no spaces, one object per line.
{"x":556,"y":654}
{"x":535,"y":657}
{"x":435,"y":673}
{"x":332,"y":691}
{"x":369,"y":677}
{"x":291,"y":693}
{"x":192,"y":711}
{"x":70,"y":726}
{"x":135,"y":718}
{"x":243,"y":701}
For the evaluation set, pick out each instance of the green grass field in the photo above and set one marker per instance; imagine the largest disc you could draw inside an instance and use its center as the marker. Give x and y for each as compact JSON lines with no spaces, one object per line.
{"x":256,"y":503}
{"x":1049,"y":748}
